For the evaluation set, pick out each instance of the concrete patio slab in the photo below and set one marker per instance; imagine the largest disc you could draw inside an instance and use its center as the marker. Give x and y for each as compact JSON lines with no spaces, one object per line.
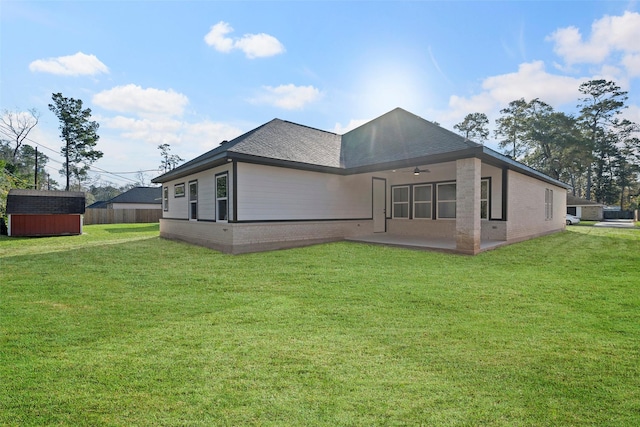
{"x":420,"y":243}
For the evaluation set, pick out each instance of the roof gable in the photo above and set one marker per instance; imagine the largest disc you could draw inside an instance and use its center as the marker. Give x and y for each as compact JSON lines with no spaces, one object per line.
{"x":283,"y":140}
{"x":398,"y":135}
{"x":149,"y":195}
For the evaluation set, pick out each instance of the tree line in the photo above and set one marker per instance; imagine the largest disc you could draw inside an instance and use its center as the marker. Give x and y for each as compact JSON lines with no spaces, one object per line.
{"x":22,"y":165}
{"x":595,"y":151}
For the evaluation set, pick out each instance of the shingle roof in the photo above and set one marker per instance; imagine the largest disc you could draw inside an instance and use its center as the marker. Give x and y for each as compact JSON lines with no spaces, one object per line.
{"x":45,"y":202}
{"x":577,"y":201}
{"x":139,"y":195}
{"x":101,"y":204}
{"x":398,"y":135}
{"x":282,"y":140}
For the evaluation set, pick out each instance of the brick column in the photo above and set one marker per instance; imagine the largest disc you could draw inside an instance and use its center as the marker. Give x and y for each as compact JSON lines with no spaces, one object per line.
{"x":468,"y":176}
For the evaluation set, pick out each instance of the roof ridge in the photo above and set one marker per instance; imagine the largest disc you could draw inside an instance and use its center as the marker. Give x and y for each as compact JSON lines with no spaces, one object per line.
{"x":309,"y":127}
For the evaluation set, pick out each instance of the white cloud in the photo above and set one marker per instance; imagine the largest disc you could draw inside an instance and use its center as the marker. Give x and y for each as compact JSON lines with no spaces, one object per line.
{"x":144,"y":102}
{"x":289,"y":97}
{"x":632,"y":63}
{"x":192,"y":137}
{"x":253,"y":45}
{"x":608,"y":34}
{"x":529,"y":82}
{"x":216,"y":37}
{"x":259,"y":45}
{"x":532,"y":81}
{"x":72,"y":65}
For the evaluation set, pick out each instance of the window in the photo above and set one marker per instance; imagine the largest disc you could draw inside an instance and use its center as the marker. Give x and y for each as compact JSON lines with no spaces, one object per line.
{"x":165,"y":199}
{"x":401,"y":202}
{"x":422,"y":201}
{"x":193,"y":200}
{"x":178,"y":190}
{"x":222,"y":197}
{"x":446,"y":200}
{"x":484,"y":199}
{"x":548,"y":204}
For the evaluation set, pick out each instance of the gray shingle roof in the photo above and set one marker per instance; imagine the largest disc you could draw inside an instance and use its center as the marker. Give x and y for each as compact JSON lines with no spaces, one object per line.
{"x":288,"y":141}
{"x":398,"y":135}
{"x":577,"y":201}
{"x":45,"y":202}
{"x":139,"y":195}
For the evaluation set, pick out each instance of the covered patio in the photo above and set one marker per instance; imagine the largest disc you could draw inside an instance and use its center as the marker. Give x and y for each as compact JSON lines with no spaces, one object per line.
{"x":421,"y":243}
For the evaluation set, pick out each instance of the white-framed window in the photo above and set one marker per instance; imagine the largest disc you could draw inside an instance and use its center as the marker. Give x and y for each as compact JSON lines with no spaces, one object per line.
{"x":193,"y":200}
{"x":446,"y":200}
{"x":178,"y":190}
{"x":484,"y":199}
{"x":400,"y":202}
{"x":165,"y":199}
{"x":548,"y":204}
{"x":422,"y":201}
{"x":222,"y":197}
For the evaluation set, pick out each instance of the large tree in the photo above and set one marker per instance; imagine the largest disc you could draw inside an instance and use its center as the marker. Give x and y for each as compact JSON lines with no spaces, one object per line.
{"x":16,"y":127}
{"x":512,"y":127}
{"x":474,"y":127}
{"x":603,"y":101}
{"x":627,"y":161}
{"x":169,"y":161}
{"x":79,"y":134}
{"x":553,"y":142}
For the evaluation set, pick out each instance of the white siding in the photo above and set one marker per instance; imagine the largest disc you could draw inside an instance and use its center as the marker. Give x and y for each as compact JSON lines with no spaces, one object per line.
{"x":272,"y":193}
{"x":179,"y":206}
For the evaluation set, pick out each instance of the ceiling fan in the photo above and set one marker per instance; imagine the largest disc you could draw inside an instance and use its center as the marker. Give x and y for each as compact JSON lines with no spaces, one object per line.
{"x":417,"y":171}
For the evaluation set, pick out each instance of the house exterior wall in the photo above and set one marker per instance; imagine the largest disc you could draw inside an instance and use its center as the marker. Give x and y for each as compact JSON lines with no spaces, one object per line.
{"x":267,"y":193}
{"x":280,"y":207}
{"x":526,"y":217}
{"x":179,"y":206}
{"x":239,"y":238}
{"x":590,"y":213}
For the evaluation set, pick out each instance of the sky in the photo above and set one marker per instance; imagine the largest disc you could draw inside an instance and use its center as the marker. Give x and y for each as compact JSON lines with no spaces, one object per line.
{"x":194,"y":73}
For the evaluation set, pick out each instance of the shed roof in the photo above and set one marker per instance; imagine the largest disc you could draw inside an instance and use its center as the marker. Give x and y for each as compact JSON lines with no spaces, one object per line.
{"x":45,"y":202}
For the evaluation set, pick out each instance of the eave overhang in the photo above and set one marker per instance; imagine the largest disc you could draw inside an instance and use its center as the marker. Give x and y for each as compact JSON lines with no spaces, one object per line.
{"x":485,"y":154}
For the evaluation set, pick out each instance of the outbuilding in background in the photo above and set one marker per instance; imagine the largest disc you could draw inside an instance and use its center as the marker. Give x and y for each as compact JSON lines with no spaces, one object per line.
{"x":33,"y":213}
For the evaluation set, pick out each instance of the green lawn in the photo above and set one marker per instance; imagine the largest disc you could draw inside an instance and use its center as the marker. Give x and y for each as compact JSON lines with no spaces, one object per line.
{"x":119,"y":327}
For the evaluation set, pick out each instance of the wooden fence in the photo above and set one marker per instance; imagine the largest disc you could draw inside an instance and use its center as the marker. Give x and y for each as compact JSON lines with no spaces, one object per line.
{"x":121,"y":216}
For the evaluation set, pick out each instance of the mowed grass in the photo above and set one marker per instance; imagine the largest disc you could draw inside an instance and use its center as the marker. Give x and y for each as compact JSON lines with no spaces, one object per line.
{"x":119,"y":327}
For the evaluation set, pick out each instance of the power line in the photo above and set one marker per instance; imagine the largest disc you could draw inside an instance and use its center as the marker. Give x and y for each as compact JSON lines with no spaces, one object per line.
{"x":98,"y":170}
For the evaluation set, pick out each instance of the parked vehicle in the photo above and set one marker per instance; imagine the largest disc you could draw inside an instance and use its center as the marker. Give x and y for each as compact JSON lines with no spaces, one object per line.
{"x":572,"y":219}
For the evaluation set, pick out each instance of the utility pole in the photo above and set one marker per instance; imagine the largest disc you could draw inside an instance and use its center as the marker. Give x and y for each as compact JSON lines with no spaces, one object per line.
{"x":35,"y":175}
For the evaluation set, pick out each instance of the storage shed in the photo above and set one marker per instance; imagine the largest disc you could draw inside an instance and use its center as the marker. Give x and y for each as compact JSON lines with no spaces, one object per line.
{"x":44,"y":213}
